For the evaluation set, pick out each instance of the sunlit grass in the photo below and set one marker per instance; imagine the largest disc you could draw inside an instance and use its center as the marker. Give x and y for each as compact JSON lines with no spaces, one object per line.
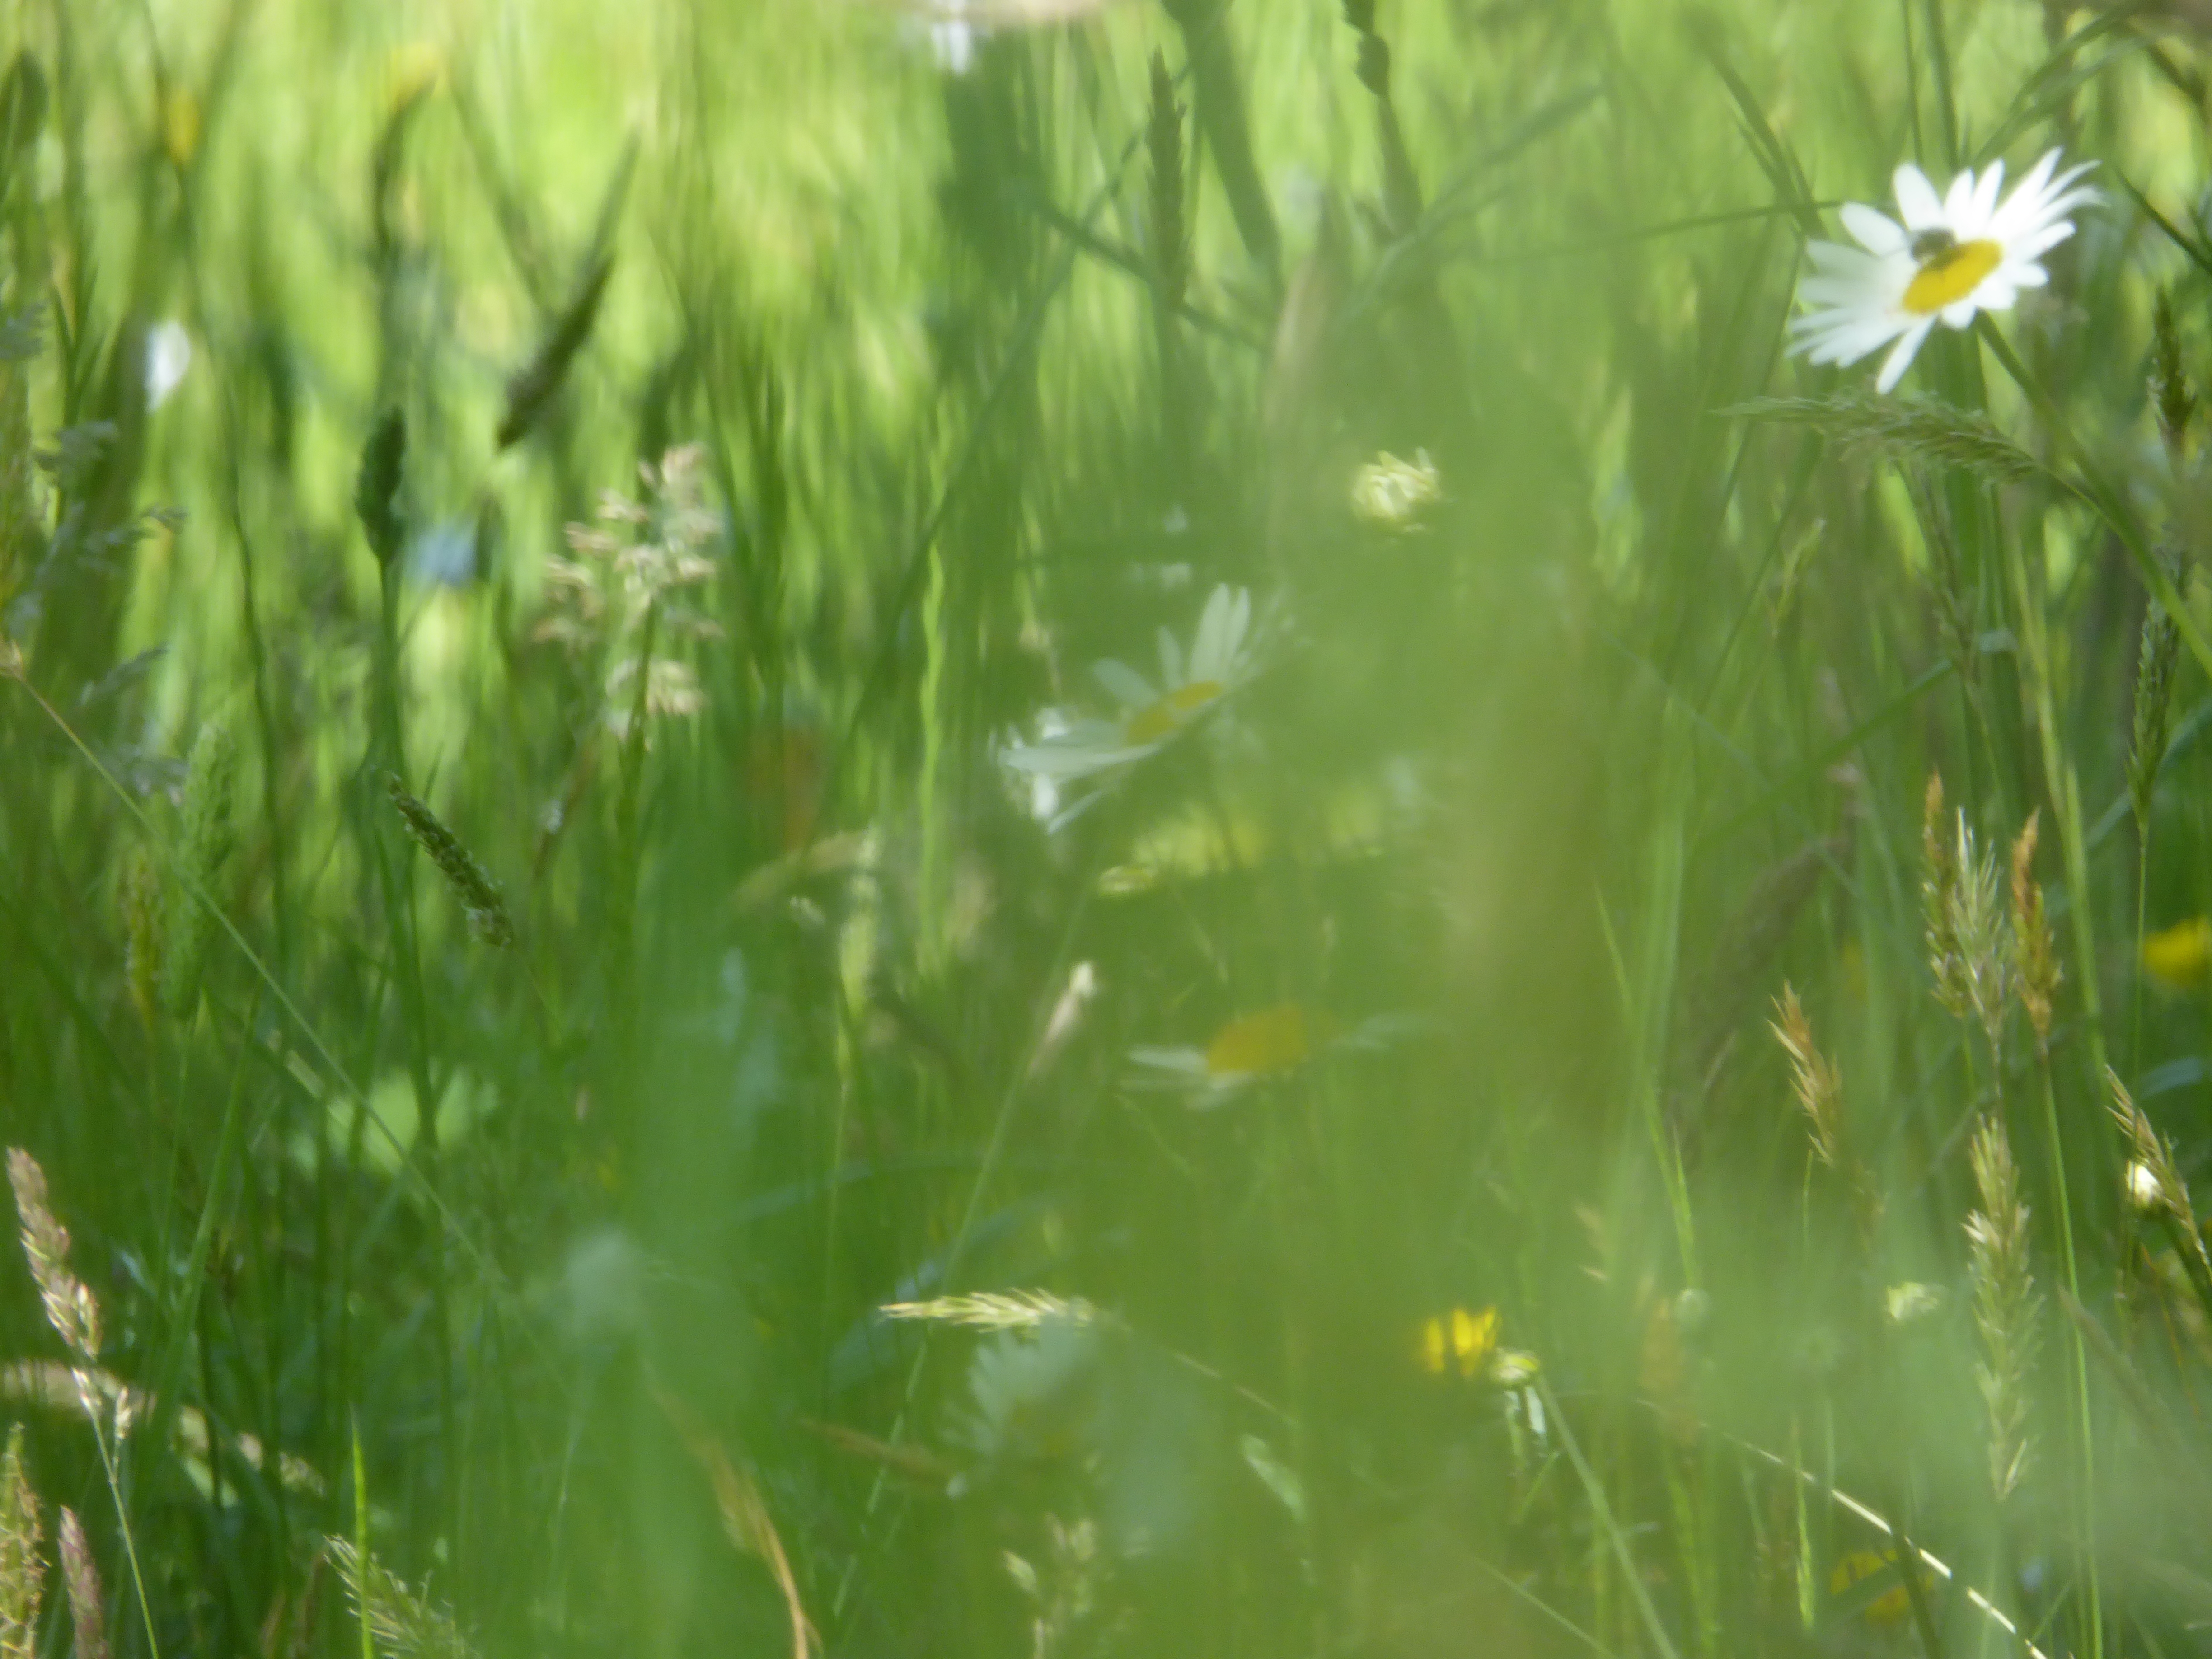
{"x":1085,"y":829}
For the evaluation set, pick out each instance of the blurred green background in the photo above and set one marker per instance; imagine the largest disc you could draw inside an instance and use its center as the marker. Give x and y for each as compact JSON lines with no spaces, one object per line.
{"x":542,"y":551}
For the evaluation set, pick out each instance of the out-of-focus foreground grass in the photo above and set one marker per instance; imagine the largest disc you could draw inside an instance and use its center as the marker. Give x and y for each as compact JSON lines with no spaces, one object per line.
{"x":619,"y":1041}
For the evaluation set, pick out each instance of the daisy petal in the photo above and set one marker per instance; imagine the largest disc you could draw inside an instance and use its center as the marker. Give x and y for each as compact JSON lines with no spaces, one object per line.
{"x":1916,"y":202}
{"x":1985,"y":201}
{"x":1900,"y":359}
{"x":1128,"y":688}
{"x":2038,"y":243}
{"x":2037,"y":176}
{"x":1877,"y":231}
{"x":1834,"y":257}
{"x":1959,"y":200}
{"x":1209,"y":648}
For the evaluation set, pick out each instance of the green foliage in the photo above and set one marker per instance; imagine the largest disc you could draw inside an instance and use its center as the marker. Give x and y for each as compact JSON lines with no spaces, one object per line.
{"x":205,"y":838}
{"x":1236,"y":939}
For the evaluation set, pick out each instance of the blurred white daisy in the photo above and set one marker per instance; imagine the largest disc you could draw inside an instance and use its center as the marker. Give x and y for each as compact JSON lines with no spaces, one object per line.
{"x":953,"y":39}
{"x":169,"y":358}
{"x":1951,"y":257}
{"x":1190,"y":686}
{"x":1248,"y":1050}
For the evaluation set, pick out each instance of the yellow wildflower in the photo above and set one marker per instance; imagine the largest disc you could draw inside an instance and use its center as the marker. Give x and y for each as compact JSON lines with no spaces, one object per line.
{"x":2177,"y":957}
{"x":1890,"y":1608}
{"x":1459,"y":1341}
{"x":1273,"y":1040}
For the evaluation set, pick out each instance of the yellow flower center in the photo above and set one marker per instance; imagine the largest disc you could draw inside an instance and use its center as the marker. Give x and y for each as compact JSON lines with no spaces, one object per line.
{"x":1161,"y":719}
{"x":1950,"y":275}
{"x":1272,"y":1040}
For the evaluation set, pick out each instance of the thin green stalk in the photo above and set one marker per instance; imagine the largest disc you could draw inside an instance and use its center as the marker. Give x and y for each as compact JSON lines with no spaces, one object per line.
{"x":2143,"y":911}
{"x":395,"y":867}
{"x":1602,"y":1513}
{"x":2034,"y":632}
{"x":334,"y":1073}
{"x":2097,"y":492}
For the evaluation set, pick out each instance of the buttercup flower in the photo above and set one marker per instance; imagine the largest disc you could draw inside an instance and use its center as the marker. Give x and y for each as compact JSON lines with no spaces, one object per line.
{"x":1189,"y":687}
{"x":1459,"y":1340}
{"x":1951,"y":257}
{"x":1890,"y":1607}
{"x":2177,"y":957}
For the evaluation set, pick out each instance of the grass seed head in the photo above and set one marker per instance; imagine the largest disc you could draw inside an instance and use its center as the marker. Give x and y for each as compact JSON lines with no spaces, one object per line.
{"x":2007,"y":1306}
{"x":2155,"y":1186}
{"x":1912,"y":429}
{"x":402,"y":1622}
{"x":23,"y":1570}
{"x":992,"y":1311}
{"x":479,"y":893}
{"x":1968,"y":953}
{"x":70,"y":1308}
{"x":2038,"y":972}
{"x":1812,"y":1076}
{"x":2156,"y":656}
{"x":81,"y":1577}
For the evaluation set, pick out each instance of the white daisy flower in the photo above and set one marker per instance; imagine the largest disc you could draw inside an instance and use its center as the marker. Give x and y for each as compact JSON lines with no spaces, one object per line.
{"x":169,"y":357}
{"x":1952,"y":256}
{"x":1250,"y":1048}
{"x":1261,"y":1047}
{"x":1190,"y":687}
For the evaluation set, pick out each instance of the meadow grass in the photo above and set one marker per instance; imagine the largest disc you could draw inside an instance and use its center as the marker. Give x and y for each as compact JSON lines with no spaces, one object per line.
{"x":1075,"y":829}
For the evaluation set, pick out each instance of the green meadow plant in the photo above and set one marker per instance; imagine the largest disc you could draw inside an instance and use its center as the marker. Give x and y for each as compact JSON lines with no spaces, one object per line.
{"x":1086,"y":828}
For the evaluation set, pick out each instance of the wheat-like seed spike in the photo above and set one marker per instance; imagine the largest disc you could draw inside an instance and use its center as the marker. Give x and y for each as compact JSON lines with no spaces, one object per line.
{"x":479,"y":893}
{"x":23,"y":1570}
{"x":1921,"y":428}
{"x":81,"y":1577}
{"x":1818,"y":1089}
{"x":2159,"y":1189}
{"x":2007,"y":1309}
{"x":992,"y":1311}
{"x":2036,"y":957}
{"x":403,"y":1624}
{"x":70,"y":1309}
{"x":2156,"y":657}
